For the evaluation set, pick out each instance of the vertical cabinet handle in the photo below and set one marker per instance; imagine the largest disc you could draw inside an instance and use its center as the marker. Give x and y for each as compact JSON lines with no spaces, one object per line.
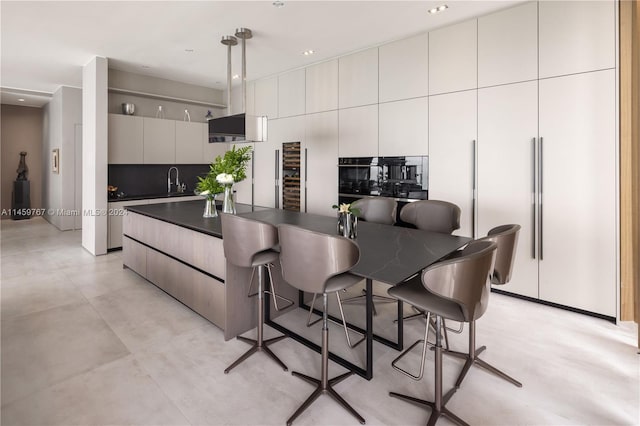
{"x":533,"y":198}
{"x":306,"y":167}
{"x":253,"y":176}
{"x":474,"y":201}
{"x":540,"y":192}
{"x":277,"y":174}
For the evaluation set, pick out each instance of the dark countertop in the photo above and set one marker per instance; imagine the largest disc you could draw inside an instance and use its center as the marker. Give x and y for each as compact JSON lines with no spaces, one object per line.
{"x":188,"y":214}
{"x":388,"y":254}
{"x":152,"y":196}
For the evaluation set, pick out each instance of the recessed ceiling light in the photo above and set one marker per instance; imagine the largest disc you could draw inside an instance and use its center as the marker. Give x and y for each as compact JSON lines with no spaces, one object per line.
{"x":146,"y":66}
{"x":308,"y":52}
{"x":438,"y":9}
{"x":235,"y":76}
{"x":189,"y":50}
{"x":278,"y":4}
{"x":20,"y":100}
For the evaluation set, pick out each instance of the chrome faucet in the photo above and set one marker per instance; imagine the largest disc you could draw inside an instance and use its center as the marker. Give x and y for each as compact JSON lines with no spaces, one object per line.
{"x":169,"y":178}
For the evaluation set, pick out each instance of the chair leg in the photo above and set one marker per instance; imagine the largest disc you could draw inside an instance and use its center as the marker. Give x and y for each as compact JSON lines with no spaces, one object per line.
{"x":344,"y":322}
{"x":274,"y":295}
{"x":376,"y":298}
{"x":324,"y":384}
{"x":438,"y":405}
{"x":259,"y":344}
{"x":425,"y":344}
{"x":471,"y":358}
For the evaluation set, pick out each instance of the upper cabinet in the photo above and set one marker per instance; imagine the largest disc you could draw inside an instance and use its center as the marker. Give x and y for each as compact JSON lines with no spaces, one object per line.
{"x":125,"y":139}
{"x":159,"y":141}
{"x":358,"y":131}
{"x":358,"y":79}
{"x":322,"y":87}
{"x":453,"y":58}
{"x":576,"y":36}
{"x":190,"y":139}
{"x":291,"y":93}
{"x":403,"y":69}
{"x":403,"y":128}
{"x":266,"y":97}
{"x":508,"y":46}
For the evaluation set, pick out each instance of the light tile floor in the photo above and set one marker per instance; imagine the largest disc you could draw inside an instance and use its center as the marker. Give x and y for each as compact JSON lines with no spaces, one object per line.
{"x":86,"y":342}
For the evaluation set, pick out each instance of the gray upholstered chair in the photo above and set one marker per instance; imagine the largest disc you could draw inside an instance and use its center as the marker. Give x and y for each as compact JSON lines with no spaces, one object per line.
{"x":318,"y":263}
{"x":506,"y":238}
{"x":432,"y":215}
{"x":248,"y":243}
{"x":377,"y":210}
{"x":451,"y":289}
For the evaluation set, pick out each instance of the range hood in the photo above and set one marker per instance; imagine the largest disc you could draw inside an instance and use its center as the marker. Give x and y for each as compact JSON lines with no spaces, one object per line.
{"x":238,"y":128}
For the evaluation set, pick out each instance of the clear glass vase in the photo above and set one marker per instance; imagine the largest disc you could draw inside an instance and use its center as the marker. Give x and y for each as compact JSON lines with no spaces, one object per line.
{"x":210,"y":207}
{"x":347,"y":225}
{"x":228,"y":206}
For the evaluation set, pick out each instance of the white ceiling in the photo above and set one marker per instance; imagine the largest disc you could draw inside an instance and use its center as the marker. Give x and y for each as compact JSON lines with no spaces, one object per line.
{"x":45,"y":44}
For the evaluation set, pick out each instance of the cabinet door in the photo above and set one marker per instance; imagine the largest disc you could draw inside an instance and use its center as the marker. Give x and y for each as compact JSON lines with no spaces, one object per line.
{"x":321,"y":82}
{"x":452,"y":153}
{"x":159,"y":141}
{"x":321,"y":144}
{"x":114,"y":224}
{"x":578,"y":248}
{"x":453,"y":58}
{"x":404,"y":69}
{"x":508,"y":46}
{"x":291,"y":93}
{"x":189,"y":142}
{"x":358,"y":131}
{"x":404,"y":127}
{"x":244,"y":189}
{"x":212,"y":150}
{"x":507,"y":128}
{"x":576,"y":36}
{"x":266,"y":97}
{"x":358,"y":79}
{"x":265,"y":167}
{"x":125,"y":139}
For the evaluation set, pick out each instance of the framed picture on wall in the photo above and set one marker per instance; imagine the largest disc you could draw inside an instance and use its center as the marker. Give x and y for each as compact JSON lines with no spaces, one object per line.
{"x":55,"y":161}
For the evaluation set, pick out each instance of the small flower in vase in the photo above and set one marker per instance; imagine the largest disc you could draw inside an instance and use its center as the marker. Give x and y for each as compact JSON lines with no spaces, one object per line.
{"x":346,"y":208}
{"x":225,"y":179}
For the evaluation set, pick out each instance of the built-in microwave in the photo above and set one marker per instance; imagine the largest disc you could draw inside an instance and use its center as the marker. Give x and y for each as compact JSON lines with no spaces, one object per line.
{"x":401,"y":178}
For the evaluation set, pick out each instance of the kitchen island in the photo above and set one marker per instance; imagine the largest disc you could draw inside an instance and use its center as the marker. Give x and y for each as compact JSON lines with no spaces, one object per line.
{"x":174,"y":247}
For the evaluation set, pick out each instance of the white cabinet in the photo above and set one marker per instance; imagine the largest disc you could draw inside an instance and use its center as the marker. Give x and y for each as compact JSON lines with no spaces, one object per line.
{"x":321,"y":145}
{"x":403,"y":128}
{"x":508,"y":46}
{"x":212,"y":150}
{"x":404,"y":69}
{"x":321,"y":82}
{"x":291,"y":98}
{"x":125,"y":139}
{"x":266,"y":97}
{"x":453,"y":119}
{"x":159,"y":141}
{"x":578,"y":191}
{"x":576,"y":36}
{"x":453,"y":58}
{"x":507,"y":130}
{"x":189,"y":142}
{"x":266,"y":167}
{"x":358,"y":79}
{"x":358,"y":131}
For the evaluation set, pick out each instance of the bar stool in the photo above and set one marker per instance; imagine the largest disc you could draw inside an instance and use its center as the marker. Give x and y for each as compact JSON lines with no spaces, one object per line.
{"x":506,"y":239}
{"x":249,"y":244}
{"x":319,"y":263}
{"x":451,"y":289}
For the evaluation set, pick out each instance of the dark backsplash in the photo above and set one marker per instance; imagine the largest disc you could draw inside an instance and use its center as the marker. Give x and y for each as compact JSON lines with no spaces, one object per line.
{"x":151,"y":179}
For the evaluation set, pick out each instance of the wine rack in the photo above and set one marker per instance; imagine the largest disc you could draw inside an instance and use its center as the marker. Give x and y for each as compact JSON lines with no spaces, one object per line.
{"x":291,"y":176}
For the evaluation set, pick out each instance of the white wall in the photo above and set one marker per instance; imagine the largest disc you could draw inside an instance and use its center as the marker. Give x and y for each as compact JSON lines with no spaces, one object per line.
{"x":61,"y":115}
{"x":94,"y":155}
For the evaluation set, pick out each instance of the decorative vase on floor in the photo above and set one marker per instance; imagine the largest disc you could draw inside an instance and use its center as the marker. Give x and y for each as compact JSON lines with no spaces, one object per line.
{"x":228,"y":206}
{"x":210,"y":207}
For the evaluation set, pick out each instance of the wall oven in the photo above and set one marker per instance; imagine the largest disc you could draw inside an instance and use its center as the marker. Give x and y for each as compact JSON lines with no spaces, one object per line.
{"x":404,"y":179}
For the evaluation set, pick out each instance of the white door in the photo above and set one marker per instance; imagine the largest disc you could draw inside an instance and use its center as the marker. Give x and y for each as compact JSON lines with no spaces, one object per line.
{"x":244,"y":190}
{"x":578,"y":136}
{"x":265,"y":167}
{"x":452,"y":153}
{"x":507,"y":130}
{"x":321,"y":165}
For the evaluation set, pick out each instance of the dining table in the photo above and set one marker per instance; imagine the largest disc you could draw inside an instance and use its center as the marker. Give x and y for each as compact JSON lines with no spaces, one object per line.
{"x":388,"y":254}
